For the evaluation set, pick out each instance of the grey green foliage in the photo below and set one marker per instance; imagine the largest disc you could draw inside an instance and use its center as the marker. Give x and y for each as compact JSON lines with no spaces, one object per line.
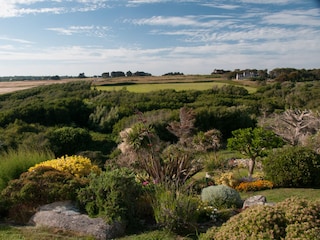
{"x":221,"y":197}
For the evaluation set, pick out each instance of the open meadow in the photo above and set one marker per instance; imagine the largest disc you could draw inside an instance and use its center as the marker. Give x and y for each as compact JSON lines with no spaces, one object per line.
{"x":136,"y":84}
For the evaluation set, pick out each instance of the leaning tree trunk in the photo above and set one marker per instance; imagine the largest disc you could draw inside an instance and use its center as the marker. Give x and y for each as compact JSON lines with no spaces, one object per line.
{"x":251,"y":166}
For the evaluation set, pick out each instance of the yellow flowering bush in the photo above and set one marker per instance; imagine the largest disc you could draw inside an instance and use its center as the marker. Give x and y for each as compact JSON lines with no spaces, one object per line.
{"x":254,"y":186}
{"x":78,"y":166}
{"x":228,"y":179}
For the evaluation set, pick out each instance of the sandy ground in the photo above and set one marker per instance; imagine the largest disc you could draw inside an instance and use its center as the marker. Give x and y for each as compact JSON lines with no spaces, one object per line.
{"x":7,"y":87}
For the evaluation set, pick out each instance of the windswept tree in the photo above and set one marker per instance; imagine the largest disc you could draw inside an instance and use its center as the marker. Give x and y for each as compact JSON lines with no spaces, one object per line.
{"x":254,"y":143}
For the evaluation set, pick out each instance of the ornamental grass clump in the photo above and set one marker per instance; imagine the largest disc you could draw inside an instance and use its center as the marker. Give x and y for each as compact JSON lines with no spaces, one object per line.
{"x":221,"y":197}
{"x":254,"y":186}
{"x":78,"y":166}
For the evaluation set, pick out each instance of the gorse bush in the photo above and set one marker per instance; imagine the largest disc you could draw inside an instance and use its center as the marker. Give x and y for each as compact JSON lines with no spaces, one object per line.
{"x":14,"y":162}
{"x":293,"y":167}
{"x":111,"y":195}
{"x":221,"y":197}
{"x":254,"y":186}
{"x":291,"y":219}
{"x":78,"y":166}
{"x":41,"y":186}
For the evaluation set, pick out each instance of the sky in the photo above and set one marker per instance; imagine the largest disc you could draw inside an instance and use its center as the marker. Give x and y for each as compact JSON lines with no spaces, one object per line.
{"x":68,"y":37}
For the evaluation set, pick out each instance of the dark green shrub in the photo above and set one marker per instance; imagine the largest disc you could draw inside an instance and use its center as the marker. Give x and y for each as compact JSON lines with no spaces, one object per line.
{"x":68,"y":140}
{"x":291,"y":219}
{"x":293,"y":167}
{"x":40,"y":186}
{"x":221,"y":197}
{"x":112,"y":195}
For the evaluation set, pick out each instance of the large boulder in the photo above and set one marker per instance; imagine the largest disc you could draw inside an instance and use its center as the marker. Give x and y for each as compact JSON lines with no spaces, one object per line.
{"x":65,"y":216}
{"x":255,"y":200}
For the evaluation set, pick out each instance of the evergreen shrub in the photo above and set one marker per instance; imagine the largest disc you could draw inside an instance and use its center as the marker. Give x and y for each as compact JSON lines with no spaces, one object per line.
{"x":221,"y":197}
{"x":293,"y":166}
{"x":111,"y":195}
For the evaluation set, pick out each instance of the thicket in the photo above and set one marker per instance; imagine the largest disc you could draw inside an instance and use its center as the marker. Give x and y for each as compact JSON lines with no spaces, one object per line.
{"x":31,"y":116}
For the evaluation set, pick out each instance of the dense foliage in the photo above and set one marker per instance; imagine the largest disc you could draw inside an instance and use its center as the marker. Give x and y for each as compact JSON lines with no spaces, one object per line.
{"x":293,"y":167}
{"x":112,"y":195}
{"x":160,"y":137}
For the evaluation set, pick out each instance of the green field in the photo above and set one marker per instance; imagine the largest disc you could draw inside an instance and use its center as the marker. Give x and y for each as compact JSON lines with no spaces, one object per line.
{"x":148,"y":87}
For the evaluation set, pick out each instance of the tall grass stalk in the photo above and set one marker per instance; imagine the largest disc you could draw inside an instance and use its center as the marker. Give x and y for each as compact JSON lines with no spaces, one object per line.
{"x":16,"y":161}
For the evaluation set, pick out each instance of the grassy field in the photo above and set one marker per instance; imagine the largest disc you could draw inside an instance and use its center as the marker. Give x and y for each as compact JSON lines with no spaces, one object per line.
{"x":138,"y":84}
{"x":183,"y":86}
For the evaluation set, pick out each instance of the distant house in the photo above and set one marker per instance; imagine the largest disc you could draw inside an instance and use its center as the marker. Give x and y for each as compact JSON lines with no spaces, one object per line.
{"x":105,"y":75}
{"x":246,"y":75}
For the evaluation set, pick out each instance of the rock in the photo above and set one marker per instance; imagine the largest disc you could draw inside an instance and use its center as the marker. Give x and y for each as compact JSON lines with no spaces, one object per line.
{"x":255,"y":200}
{"x":65,"y":216}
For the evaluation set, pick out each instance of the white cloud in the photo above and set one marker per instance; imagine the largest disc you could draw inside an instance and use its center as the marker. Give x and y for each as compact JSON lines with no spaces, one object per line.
{"x":96,"y":31}
{"x":16,"y":8}
{"x":294,"y":17}
{"x":17,"y":40}
{"x":222,"y":6}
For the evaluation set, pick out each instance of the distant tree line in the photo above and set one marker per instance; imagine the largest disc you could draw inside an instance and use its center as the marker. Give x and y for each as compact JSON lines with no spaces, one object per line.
{"x":114,"y":74}
{"x":277,"y":74}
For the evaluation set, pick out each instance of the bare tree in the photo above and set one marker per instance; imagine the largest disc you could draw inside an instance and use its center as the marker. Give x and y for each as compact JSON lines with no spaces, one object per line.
{"x":293,"y":126}
{"x":184,"y":129}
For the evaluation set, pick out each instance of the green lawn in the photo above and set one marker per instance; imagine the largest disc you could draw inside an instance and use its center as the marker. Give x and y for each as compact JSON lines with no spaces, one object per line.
{"x":144,"y":87}
{"x":280,"y":194}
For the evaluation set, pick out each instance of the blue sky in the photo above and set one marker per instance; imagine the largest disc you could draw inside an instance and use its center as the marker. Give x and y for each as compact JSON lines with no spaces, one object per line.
{"x":57,"y":37}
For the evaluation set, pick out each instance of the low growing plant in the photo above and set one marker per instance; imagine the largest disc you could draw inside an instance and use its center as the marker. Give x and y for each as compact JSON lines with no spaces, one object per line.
{"x":257,"y":185}
{"x":221,"y":197}
{"x":291,"y":219}
{"x":78,"y":166}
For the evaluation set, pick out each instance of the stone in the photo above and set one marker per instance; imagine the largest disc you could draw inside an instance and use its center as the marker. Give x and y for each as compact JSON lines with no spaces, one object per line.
{"x":65,"y":216}
{"x":255,"y":200}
